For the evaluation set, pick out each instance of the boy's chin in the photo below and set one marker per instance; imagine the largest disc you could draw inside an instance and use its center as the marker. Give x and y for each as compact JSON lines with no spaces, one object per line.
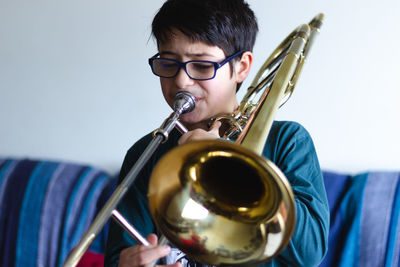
{"x":189,"y":119}
{"x":192,"y":119}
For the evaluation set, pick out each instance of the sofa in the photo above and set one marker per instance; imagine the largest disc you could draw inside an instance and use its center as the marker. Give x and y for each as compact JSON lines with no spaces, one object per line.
{"x":46,"y":207}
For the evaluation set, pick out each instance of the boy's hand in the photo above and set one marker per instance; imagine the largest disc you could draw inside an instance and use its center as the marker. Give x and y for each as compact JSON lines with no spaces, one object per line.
{"x":144,"y":256}
{"x":200,"y":134}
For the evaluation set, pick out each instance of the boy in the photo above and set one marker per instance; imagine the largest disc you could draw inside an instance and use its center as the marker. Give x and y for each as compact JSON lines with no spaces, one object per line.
{"x":189,"y":32}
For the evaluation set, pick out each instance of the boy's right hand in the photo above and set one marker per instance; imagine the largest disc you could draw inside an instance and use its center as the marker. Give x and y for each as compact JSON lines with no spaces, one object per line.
{"x":144,"y":256}
{"x":201,"y":134}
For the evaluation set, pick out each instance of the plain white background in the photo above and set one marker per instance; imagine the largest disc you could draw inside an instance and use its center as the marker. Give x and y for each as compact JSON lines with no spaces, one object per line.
{"x":75,"y":84}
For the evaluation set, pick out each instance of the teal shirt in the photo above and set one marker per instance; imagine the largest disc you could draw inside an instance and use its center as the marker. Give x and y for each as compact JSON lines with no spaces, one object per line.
{"x":291,"y":148}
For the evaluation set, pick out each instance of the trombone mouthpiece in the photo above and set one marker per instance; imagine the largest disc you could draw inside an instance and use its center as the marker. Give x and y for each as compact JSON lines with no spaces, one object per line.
{"x":184,"y":102}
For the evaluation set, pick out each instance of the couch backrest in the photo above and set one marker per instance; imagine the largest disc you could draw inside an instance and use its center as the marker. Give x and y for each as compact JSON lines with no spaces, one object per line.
{"x":365,"y":213}
{"x":47,"y":206}
{"x":45,"y":209}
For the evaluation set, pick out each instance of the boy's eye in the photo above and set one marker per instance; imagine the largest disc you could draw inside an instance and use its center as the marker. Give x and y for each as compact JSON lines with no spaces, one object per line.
{"x":168,"y":64}
{"x":202,"y":66}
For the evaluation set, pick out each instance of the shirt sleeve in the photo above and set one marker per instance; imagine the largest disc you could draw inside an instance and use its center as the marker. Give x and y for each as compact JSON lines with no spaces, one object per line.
{"x":291,"y":148}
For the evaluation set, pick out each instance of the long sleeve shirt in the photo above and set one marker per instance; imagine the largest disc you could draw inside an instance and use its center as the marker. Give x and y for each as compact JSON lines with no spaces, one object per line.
{"x":291,"y":148}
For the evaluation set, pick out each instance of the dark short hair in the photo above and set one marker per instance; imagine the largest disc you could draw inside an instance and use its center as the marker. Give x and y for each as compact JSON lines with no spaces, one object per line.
{"x":229,"y":24}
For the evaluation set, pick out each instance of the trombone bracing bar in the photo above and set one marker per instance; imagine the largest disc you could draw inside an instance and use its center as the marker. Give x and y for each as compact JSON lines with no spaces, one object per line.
{"x":133,"y":232}
{"x":129,"y":228}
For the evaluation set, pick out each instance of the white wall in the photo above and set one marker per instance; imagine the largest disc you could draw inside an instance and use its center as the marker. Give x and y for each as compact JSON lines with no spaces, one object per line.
{"x":75,"y":84}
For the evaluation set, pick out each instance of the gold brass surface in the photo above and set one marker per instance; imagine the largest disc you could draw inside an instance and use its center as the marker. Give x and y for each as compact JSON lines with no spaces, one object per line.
{"x":221,"y":203}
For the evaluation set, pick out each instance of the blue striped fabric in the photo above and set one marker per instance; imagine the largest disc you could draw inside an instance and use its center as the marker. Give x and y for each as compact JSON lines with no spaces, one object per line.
{"x":45,"y":209}
{"x":379,"y":202}
{"x":365,"y":217}
{"x":29,"y":223}
{"x":11,"y":204}
{"x":47,"y":206}
{"x":393,"y":255}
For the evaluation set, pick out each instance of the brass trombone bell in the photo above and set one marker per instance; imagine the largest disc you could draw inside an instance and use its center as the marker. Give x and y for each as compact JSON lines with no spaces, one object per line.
{"x":221,"y":203}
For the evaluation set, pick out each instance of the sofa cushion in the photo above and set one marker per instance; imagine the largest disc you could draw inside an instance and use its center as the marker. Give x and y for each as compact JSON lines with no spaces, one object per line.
{"x":46,"y":207}
{"x":364,"y":210}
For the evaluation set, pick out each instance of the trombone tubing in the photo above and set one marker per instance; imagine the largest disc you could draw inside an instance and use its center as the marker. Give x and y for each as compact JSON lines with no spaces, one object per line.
{"x":106,"y":212}
{"x":184,"y":102}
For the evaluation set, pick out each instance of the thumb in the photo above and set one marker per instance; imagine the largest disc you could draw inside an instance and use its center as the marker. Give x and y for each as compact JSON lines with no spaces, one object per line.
{"x":152,"y":238}
{"x":215,"y":127}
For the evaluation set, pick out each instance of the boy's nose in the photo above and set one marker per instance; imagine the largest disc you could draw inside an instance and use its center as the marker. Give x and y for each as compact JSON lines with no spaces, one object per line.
{"x":183,"y":80}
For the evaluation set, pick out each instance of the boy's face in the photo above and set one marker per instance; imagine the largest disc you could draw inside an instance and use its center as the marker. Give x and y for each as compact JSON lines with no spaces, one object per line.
{"x":215,"y":96}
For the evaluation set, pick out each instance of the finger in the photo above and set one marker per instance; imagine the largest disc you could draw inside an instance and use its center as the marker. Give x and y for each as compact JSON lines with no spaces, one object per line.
{"x":152,"y":238}
{"x":151,"y":254}
{"x":184,"y":138}
{"x":215,"y":127}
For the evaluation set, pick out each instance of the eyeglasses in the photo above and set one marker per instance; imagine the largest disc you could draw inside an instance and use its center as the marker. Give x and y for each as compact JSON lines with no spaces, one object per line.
{"x":196,"y":69}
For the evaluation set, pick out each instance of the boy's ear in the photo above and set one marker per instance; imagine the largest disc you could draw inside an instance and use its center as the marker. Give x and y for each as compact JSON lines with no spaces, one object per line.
{"x":242,"y":66}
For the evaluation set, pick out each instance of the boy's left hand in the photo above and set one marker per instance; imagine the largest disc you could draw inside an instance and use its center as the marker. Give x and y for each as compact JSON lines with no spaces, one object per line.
{"x":200,"y":134}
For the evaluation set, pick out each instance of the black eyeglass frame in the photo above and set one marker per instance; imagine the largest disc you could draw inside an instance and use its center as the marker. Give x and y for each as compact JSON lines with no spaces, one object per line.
{"x":217,"y":65}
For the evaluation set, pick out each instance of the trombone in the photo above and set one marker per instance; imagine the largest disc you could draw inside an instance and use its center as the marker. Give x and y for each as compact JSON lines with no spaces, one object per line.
{"x":263,"y":215}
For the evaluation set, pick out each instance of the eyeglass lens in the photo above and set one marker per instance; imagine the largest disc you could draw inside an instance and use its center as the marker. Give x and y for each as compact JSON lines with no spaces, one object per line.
{"x":195,"y":69}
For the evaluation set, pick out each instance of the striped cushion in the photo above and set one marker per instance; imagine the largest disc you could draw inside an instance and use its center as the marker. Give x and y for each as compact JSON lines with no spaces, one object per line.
{"x":46,"y":207}
{"x":365,"y":213}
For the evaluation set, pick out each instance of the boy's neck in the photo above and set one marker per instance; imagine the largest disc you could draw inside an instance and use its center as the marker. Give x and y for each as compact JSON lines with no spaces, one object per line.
{"x":202,"y":125}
